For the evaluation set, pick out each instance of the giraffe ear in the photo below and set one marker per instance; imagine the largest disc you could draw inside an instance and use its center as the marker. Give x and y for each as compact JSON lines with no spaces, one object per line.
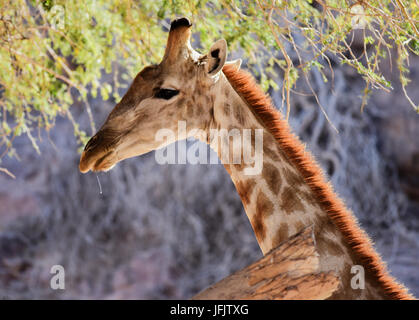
{"x":234,"y":63}
{"x":216,"y":57}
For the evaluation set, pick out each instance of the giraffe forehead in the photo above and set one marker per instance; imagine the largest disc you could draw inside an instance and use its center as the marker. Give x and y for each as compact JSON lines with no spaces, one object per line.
{"x":179,"y":77}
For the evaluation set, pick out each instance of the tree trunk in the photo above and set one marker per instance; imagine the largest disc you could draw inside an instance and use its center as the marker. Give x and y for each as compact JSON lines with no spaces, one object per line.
{"x":287,"y":272}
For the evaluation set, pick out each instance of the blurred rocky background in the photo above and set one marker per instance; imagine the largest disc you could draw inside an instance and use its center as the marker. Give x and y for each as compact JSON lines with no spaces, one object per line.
{"x":170,"y":231}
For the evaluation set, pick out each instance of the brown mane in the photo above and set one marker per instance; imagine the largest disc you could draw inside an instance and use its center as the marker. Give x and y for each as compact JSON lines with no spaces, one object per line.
{"x":357,"y":239}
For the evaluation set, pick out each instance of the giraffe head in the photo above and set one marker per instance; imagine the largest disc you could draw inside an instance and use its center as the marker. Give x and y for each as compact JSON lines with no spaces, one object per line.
{"x":159,"y":97}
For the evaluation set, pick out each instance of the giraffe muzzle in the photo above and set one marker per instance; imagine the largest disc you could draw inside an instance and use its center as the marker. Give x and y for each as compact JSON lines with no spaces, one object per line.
{"x":98,"y":154}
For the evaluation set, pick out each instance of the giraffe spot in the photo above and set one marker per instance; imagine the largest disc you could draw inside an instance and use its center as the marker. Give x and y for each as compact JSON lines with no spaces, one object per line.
{"x":264,"y":208}
{"x":199,"y":109}
{"x":299,"y":226}
{"x":181,"y":102}
{"x":245,"y":189}
{"x":335,"y":248}
{"x":326,"y":226}
{"x":268,"y":138}
{"x":191,"y":69}
{"x":293,"y":178}
{"x":282,"y":154}
{"x":189,"y":109}
{"x":238,"y":114}
{"x":280,"y":236}
{"x":226,"y":109}
{"x":308,"y":197}
{"x":259,"y":229}
{"x":272,"y":177}
{"x":226,"y":91}
{"x":329,"y":246}
{"x":333,"y":243}
{"x":290,"y":202}
{"x":270,"y":153}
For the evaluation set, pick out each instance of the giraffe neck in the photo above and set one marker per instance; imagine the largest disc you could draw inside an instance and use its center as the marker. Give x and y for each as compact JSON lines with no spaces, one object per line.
{"x":278,"y":201}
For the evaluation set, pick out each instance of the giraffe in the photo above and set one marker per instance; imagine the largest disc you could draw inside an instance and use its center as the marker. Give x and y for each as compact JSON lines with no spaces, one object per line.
{"x":288,"y":194}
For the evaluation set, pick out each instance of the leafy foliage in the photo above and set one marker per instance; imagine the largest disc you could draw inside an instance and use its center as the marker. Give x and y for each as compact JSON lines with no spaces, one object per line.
{"x":55,"y":52}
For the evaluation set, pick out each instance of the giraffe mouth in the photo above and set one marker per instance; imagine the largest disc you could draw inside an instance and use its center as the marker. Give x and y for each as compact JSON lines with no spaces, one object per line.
{"x":101,"y":162}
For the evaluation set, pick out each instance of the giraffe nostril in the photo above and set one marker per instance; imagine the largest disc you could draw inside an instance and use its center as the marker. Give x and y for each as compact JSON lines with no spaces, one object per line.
{"x":104,"y":139}
{"x":92,"y":143}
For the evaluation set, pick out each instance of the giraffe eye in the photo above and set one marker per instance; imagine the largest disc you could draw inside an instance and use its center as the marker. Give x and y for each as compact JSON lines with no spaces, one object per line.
{"x":166,"y":93}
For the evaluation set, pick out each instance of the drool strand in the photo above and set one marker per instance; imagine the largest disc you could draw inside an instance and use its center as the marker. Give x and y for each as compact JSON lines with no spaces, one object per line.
{"x":98,"y":182}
